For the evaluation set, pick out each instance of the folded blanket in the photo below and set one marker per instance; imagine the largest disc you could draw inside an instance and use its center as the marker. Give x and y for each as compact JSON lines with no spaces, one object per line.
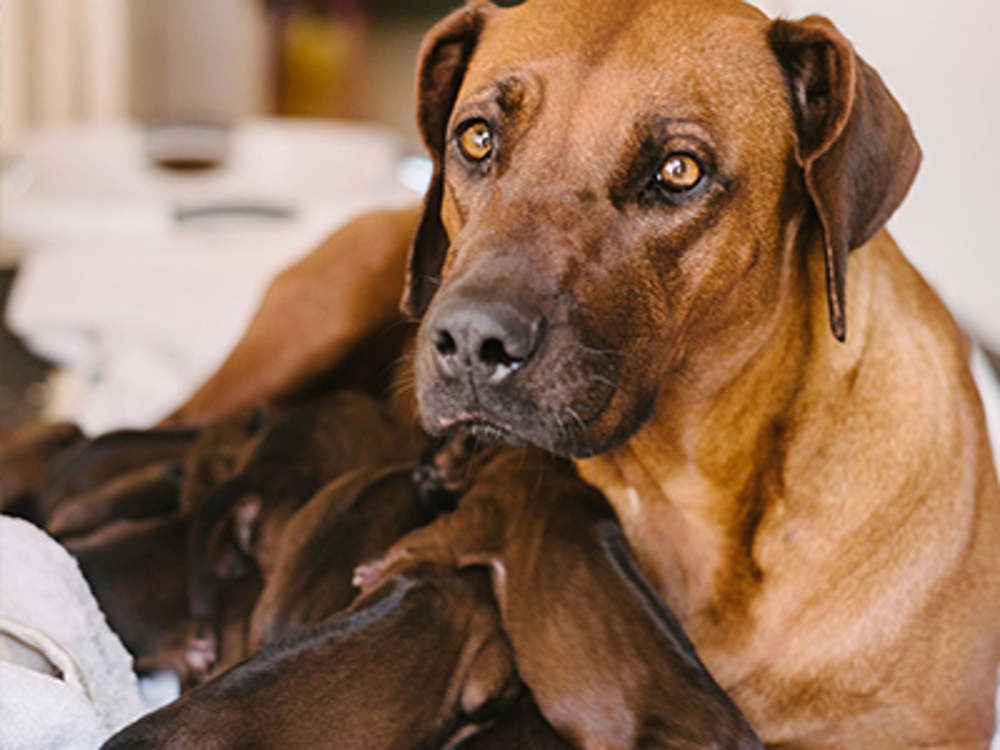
{"x":66,"y":680}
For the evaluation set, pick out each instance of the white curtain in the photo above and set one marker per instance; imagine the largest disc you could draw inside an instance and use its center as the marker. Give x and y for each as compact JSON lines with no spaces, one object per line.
{"x":63,"y":60}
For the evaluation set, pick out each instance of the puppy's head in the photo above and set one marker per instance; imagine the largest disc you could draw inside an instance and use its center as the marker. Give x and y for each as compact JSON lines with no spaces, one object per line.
{"x":624,"y":192}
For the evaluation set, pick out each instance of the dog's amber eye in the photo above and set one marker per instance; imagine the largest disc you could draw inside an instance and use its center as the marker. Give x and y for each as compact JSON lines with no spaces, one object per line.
{"x":680,"y":172}
{"x":476,"y":141}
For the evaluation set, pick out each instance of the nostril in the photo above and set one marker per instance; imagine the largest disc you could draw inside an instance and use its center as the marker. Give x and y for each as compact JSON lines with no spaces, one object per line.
{"x":445,"y":344}
{"x":494,"y":354}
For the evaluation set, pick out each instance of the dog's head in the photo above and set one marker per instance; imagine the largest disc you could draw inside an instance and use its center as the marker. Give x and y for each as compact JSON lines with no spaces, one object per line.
{"x":623,"y":190}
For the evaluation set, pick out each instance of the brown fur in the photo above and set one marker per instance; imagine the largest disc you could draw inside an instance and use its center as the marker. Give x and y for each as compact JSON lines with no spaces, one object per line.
{"x":407,"y":667}
{"x":823,"y":517}
{"x":91,"y":463}
{"x":608,"y":666}
{"x":304,"y":446}
{"x":146,"y":492}
{"x":27,"y":455}
{"x":353,"y":519}
{"x":136,"y":571}
{"x":523,"y":727}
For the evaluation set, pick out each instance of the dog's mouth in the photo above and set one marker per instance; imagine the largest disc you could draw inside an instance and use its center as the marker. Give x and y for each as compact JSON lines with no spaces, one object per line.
{"x":484,"y":430}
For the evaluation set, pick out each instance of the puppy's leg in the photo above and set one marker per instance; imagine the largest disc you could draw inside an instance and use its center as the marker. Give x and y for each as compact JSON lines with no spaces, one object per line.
{"x":473,"y":534}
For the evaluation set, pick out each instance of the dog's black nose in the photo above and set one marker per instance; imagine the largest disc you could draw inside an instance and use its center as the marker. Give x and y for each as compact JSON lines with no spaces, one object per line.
{"x":483,"y":333}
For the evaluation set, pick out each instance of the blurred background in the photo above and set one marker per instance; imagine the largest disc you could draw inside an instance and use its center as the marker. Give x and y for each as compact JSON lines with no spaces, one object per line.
{"x":162,"y":159}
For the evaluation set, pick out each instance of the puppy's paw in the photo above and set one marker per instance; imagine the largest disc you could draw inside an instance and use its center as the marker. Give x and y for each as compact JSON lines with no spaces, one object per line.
{"x":200,"y":656}
{"x":368,"y":575}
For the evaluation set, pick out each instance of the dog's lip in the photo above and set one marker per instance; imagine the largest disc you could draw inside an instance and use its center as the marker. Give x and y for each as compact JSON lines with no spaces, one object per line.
{"x":479,"y":424}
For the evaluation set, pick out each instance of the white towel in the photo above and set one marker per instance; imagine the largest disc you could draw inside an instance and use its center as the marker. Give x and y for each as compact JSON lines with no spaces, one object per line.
{"x":49,"y":618}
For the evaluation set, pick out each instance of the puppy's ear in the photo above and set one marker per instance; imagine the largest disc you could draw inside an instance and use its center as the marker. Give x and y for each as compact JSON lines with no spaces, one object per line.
{"x":855,"y":143}
{"x":444,"y":57}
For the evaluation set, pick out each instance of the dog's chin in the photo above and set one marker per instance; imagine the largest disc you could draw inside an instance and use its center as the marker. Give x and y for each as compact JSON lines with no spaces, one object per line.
{"x":571,"y":440}
{"x":488,"y":433}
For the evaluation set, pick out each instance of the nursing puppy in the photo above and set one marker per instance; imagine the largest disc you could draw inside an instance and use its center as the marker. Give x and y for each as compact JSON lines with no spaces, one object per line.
{"x":303,"y":447}
{"x":606,"y":662}
{"x":146,"y":492}
{"x":94,"y":462}
{"x":409,"y":666}
{"x":353,"y":519}
{"x":27,"y":455}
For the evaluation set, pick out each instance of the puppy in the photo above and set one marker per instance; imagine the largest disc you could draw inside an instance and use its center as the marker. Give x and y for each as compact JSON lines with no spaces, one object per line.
{"x":136,"y":570}
{"x":353,"y":519}
{"x":94,"y":462}
{"x":605,"y":659}
{"x":304,"y":447}
{"x":27,"y":454}
{"x":407,"y":667}
{"x":147,"y":492}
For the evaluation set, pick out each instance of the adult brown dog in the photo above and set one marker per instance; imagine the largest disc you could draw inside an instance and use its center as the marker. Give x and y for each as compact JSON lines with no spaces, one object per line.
{"x":632,"y":252}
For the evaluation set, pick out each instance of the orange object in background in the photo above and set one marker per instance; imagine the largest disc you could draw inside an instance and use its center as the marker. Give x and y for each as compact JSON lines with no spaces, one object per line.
{"x":320,"y":52}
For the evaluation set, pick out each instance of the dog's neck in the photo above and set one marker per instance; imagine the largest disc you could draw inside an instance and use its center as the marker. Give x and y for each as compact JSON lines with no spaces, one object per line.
{"x":691,"y":486}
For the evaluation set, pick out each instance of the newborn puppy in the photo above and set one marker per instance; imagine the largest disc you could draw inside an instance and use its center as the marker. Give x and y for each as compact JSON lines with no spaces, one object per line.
{"x":93,"y":463}
{"x":27,"y":454}
{"x":136,"y":570}
{"x":354,"y":518}
{"x":302,"y":448}
{"x":147,"y":492}
{"x":220,"y":451}
{"x":408,"y":666}
{"x":607,"y":663}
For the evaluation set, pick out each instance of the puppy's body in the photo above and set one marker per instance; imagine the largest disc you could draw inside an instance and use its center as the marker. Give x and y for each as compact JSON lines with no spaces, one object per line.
{"x":94,"y":462}
{"x":608,"y":666}
{"x":410,"y":664}
{"x":27,"y":454}
{"x":522,"y":727}
{"x":146,"y":492}
{"x":353,"y":519}
{"x":238,"y":528}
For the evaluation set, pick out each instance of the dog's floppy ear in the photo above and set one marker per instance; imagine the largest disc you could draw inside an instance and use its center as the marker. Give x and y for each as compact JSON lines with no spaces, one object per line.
{"x":855,"y":143}
{"x":444,"y":57}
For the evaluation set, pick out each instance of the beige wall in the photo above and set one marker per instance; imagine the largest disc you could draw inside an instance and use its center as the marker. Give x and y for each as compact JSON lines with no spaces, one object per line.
{"x":942,"y":61}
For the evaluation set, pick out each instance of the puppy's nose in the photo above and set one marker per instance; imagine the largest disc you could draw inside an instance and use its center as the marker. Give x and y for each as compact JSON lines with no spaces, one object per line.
{"x":489,"y":336}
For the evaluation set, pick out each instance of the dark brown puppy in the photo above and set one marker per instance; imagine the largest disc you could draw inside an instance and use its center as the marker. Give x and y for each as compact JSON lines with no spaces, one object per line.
{"x":220,"y":451}
{"x":93,"y":463}
{"x":137,"y":571}
{"x":353,"y":519}
{"x":147,"y":492}
{"x":606,"y":661}
{"x":27,"y":454}
{"x":407,"y":667}
{"x":302,"y":448}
